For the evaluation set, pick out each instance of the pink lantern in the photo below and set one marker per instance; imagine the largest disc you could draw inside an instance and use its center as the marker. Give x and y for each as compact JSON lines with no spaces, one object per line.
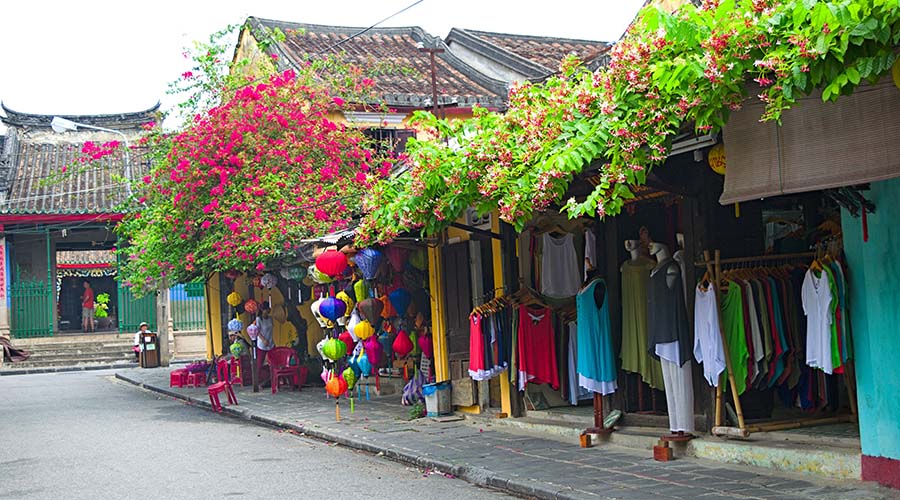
{"x":426,"y":345}
{"x":346,"y":338}
{"x":402,"y":344}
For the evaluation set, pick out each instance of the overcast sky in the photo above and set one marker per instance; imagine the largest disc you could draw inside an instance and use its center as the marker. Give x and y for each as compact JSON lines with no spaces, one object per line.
{"x":103,"y":56}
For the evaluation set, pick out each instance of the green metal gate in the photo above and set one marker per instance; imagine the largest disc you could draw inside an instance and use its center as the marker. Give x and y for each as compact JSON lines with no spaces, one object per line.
{"x":32,"y":308}
{"x":133,"y":310}
{"x":187,"y":305}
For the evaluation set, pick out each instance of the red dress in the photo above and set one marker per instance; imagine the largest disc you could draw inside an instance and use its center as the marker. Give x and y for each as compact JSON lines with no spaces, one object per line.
{"x":477,"y":368}
{"x":536,"y":348}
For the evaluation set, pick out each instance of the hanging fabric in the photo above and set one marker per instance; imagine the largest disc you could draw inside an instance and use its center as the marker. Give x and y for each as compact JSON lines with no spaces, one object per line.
{"x":596,"y":359}
{"x":559,"y":267}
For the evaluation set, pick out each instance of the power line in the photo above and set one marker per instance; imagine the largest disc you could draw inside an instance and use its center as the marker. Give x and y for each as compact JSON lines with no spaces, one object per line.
{"x":365,"y":30}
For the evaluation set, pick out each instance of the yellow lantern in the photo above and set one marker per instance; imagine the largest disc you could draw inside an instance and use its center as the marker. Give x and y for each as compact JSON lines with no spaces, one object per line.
{"x":716,"y":159}
{"x":234,"y":299}
{"x":364,"y":330}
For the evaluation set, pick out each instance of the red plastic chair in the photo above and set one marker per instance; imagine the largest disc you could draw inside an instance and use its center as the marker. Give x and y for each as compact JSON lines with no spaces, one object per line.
{"x":280,"y":366}
{"x":196,"y":379}
{"x":218,"y":388}
{"x":229,"y":370}
{"x":178,"y":378}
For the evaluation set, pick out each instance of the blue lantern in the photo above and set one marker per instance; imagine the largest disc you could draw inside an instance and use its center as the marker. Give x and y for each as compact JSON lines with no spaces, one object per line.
{"x":333,"y":308}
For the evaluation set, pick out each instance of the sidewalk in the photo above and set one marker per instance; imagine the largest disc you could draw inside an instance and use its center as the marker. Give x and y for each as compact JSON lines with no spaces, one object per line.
{"x":522,"y":463}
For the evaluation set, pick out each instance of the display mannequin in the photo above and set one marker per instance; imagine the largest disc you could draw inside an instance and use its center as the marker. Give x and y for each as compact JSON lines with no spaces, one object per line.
{"x":669,"y":337}
{"x":634,"y":248}
{"x":679,"y":257}
{"x":634,"y":352}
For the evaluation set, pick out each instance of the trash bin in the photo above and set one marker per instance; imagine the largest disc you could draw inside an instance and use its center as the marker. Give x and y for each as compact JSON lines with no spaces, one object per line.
{"x":149,"y":350}
{"x":437,"y":398}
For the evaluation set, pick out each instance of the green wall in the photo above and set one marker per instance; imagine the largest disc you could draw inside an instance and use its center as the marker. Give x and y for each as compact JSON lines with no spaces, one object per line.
{"x":874,"y":275}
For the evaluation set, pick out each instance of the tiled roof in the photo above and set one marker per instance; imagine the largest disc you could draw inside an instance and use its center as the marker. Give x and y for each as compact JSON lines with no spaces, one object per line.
{"x":404,"y":78}
{"x":33,"y":158}
{"x":533,"y":56}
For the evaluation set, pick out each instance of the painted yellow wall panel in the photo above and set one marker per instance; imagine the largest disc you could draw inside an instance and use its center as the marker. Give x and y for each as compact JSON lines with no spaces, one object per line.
{"x":214,"y":323}
{"x":438,"y":334}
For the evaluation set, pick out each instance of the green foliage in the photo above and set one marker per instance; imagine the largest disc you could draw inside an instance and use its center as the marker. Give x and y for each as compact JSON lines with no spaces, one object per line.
{"x":671,"y":72}
{"x":101,"y":306}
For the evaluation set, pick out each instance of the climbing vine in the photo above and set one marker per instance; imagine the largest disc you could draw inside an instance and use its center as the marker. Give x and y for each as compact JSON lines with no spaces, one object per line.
{"x":670,"y":72}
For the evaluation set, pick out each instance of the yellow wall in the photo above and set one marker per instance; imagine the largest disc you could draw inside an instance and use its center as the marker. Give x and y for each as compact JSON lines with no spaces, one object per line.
{"x":214,"y":320}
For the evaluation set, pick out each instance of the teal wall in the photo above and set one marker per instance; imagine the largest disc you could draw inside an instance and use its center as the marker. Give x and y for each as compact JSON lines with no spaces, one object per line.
{"x":874,"y":275}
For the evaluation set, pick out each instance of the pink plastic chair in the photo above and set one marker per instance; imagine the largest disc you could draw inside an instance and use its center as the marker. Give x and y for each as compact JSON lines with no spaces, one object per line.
{"x":280,"y":366}
{"x":229,"y":370}
{"x":196,"y":379}
{"x":218,"y":388}
{"x":178,"y":378}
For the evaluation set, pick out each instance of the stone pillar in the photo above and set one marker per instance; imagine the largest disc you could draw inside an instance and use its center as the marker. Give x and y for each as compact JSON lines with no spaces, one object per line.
{"x":162,"y":324}
{"x":4,"y":289}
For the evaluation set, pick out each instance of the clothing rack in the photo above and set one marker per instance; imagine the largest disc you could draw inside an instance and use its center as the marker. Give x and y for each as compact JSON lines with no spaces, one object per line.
{"x":716,"y":279}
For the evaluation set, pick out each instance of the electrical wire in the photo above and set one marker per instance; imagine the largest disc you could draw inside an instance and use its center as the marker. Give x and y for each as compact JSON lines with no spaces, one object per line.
{"x":365,"y":30}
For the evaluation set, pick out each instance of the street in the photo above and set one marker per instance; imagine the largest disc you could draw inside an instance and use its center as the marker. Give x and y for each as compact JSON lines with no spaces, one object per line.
{"x":84,"y":435}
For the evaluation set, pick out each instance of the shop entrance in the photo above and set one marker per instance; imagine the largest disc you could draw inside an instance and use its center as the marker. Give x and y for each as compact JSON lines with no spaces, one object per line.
{"x":69,"y":310}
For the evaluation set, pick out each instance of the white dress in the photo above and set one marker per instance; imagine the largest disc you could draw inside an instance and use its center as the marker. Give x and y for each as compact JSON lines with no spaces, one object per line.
{"x":560,"y":278}
{"x":817,"y":299}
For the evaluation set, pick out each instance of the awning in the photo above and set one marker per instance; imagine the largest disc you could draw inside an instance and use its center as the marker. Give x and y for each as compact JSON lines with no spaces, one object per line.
{"x":818,"y":146}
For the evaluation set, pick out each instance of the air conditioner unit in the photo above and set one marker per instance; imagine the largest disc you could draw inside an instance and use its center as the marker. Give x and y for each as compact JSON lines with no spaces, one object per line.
{"x":692,"y":144}
{"x":474,"y":220}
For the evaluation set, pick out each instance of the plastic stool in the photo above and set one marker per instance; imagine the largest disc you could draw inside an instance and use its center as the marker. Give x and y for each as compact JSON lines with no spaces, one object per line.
{"x":178,"y":378}
{"x":196,"y":379}
{"x":214,"y":391}
{"x":228,"y":370}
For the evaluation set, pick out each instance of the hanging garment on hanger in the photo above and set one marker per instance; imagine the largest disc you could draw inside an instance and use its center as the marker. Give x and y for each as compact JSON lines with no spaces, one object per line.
{"x":708,"y":348}
{"x":590,"y":251}
{"x":759,"y":350}
{"x":733,"y":324}
{"x":668,"y":330}
{"x":817,"y":307}
{"x":536,"y":348}
{"x":679,"y":257}
{"x":560,"y":278}
{"x":478,"y":369}
{"x":634,"y":354}
{"x":835,"y":315}
{"x":596,"y":358}
{"x":576,"y":392}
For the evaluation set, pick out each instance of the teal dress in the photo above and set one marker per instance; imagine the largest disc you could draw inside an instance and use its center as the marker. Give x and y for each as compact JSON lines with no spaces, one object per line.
{"x":596,"y":359}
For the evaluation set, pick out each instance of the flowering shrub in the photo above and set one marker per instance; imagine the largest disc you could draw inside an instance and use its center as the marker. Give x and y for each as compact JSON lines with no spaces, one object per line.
{"x":247,"y":181}
{"x":670,"y":71}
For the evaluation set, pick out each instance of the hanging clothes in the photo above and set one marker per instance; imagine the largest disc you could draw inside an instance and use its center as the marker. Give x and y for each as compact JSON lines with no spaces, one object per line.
{"x":590,"y":251}
{"x":667,"y":322}
{"x":478,"y":368}
{"x":679,"y":395}
{"x":679,"y":257}
{"x":560,"y":278}
{"x":575,"y":391}
{"x":536,"y":354}
{"x":708,"y":348}
{"x":596,"y":360}
{"x":817,"y":300}
{"x":634,"y":354}
{"x":733,"y":324}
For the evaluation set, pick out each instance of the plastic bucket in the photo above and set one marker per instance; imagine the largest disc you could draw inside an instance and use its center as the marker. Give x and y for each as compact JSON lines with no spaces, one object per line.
{"x":437,"y":398}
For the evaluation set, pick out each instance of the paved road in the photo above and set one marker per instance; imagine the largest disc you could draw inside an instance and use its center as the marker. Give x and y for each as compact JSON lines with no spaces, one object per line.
{"x":82,"y":435}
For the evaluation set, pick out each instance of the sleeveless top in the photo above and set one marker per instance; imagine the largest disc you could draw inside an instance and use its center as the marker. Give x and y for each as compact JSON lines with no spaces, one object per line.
{"x":560,"y":278}
{"x":667,"y":319}
{"x":596,"y":359}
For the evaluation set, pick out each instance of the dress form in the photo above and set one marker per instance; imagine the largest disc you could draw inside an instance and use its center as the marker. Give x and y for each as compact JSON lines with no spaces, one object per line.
{"x":677,"y":376}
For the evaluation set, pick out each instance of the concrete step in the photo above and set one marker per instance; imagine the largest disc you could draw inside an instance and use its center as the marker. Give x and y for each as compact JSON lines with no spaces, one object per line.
{"x":828,"y":457}
{"x":85,"y":355}
{"x":71,"y":361}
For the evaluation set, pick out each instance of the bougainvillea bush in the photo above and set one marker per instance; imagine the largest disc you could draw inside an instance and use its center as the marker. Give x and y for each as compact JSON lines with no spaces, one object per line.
{"x":671,"y":72}
{"x":248,"y":180}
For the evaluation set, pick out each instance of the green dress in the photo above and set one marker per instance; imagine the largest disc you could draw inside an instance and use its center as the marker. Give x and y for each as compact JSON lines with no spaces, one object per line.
{"x":635,"y":356}
{"x":733,"y":323}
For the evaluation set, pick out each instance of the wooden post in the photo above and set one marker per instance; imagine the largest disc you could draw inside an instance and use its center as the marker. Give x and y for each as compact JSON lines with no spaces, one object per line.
{"x":717,"y":278}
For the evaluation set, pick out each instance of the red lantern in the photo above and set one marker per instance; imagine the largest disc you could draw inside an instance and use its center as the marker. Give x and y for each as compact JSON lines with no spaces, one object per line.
{"x":257,"y":282}
{"x":251,"y":306}
{"x":332,"y":263}
{"x":346,"y":338}
{"x":402,"y":345}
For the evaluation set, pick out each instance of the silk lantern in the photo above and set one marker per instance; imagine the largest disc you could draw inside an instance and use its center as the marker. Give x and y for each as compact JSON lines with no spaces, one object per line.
{"x":318,"y":276}
{"x":232,"y":274}
{"x":252,"y":331}
{"x":234,"y":299}
{"x":361,"y":290}
{"x":387,"y":310}
{"x":324,"y":375}
{"x":336,"y":386}
{"x":257,"y":282}
{"x":268,"y":280}
{"x":332,"y":308}
{"x":350,"y":377}
{"x":320,"y":347}
{"x":368,"y":260}
{"x":235,"y":325}
{"x":373,"y":349}
{"x":347,"y":339}
{"x":251,"y":306}
{"x":427,"y":346}
{"x":314,"y":308}
{"x":402,"y":345}
{"x":347,"y":301}
{"x":334,"y":349}
{"x":332,"y":263}
{"x":364,"y":330}
{"x":365,"y":366}
{"x":370,"y":309}
{"x":400,"y":299}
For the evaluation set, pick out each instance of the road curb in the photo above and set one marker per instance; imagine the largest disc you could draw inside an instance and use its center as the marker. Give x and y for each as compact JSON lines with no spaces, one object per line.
{"x":471,"y":474}
{"x":60,"y":369}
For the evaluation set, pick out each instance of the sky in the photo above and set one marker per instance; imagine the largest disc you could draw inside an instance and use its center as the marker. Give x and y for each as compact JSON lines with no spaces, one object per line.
{"x":101,"y":56}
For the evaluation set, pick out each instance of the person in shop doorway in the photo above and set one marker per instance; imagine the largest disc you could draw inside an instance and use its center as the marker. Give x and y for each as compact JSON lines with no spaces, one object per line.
{"x":87,"y":308}
{"x":144,"y":328}
{"x":265,"y":341}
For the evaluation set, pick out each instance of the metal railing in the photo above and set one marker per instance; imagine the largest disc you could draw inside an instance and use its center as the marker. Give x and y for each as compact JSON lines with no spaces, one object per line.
{"x":187,"y":305}
{"x":31,"y":302}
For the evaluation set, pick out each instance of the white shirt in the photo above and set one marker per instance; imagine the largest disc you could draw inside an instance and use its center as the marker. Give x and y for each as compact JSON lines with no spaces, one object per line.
{"x":708,"y":348}
{"x":559,"y":267}
{"x":816,"y":295}
{"x":590,"y":251}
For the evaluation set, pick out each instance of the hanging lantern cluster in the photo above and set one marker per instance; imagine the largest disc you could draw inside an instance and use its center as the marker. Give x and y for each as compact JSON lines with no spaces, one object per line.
{"x":234,"y":299}
{"x":235,"y":325}
{"x":268,"y":280}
